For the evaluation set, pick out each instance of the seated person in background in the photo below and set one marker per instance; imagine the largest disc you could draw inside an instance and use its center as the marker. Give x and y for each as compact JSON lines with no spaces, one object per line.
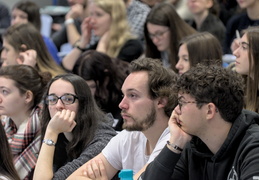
{"x":137,"y":13}
{"x":23,"y":44}
{"x":27,"y":11}
{"x":105,"y":77}
{"x":211,"y":136}
{"x":205,"y":18}
{"x":22,"y":88}
{"x":163,"y":31}
{"x":74,"y":129}
{"x":247,"y":64}
{"x":146,"y":107}
{"x":7,"y":167}
{"x":239,"y":22}
{"x":108,"y":20}
{"x":70,"y":31}
{"x":198,"y":48}
{"x":182,"y":9}
{"x":5,"y":18}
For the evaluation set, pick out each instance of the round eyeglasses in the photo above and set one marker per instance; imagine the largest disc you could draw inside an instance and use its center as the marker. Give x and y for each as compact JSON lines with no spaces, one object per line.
{"x":158,"y":34}
{"x":66,"y":99}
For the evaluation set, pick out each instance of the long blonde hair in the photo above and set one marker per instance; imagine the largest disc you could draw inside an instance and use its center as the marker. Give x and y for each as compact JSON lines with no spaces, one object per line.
{"x":119,"y":29}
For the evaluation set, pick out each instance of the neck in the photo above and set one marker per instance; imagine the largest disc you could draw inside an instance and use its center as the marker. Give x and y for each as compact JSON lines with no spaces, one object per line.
{"x":253,"y":12}
{"x":215,"y":134}
{"x":153,"y":133}
{"x":20,"y":118}
{"x":199,"y":18}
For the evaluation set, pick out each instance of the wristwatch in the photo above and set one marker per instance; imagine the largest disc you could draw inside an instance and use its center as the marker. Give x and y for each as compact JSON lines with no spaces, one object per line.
{"x":49,"y":142}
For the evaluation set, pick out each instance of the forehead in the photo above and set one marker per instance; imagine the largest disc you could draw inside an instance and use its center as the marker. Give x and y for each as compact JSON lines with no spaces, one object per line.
{"x":60,"y":87}
{"x":18,"y":11}
{"x":6,"y":82}
{"x":155,"y":27}
{"x":136,"y":81}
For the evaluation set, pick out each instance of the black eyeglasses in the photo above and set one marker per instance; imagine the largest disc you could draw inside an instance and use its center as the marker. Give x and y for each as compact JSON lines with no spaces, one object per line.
{"x":66,"y":99}
{"x":182,"y":102}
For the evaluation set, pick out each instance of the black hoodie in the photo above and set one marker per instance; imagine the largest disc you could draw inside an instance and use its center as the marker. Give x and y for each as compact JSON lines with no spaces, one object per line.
{"x":237,"y":159}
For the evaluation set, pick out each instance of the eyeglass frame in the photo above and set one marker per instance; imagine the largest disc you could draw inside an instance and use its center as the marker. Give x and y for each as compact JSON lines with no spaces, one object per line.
{"x":60,"y":97}
{"x":158,"y":34}
{"x":182,"y":102}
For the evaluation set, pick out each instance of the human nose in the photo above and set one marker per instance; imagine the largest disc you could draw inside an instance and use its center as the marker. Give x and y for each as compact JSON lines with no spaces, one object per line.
{"x":236,"y":52}
{"x":178,"y":109}
{"x":178,"y":65}
{"x":123,"y":104}
{"x":60,"y":105}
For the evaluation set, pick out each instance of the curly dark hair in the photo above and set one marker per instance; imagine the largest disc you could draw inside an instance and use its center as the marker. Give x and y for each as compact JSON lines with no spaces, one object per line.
{"x":214,"y":84}
{"x":160,"y":80}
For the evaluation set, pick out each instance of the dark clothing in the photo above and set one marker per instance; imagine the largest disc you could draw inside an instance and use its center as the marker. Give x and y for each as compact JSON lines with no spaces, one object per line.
{"x":60,"y":37}
{"x":213,"y":25}
{"x":63,"y":167}
{"x":5,"y":18}
{"x":238,"y":22}
{"x":238,"y":157}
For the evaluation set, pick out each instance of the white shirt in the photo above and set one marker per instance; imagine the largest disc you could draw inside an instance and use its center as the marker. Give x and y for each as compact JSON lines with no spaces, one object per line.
{"x":127,"y":150}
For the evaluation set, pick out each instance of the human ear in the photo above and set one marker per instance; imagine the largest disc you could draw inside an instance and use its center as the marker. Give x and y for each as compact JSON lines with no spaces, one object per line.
{"x":28,"y":97}
{"x":162,"y":102}
{"x":211,"y":110}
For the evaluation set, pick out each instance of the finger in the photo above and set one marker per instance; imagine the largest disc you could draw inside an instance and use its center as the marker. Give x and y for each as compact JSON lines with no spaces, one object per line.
{"x":102,"y":169}
{"x":90,"y":172}
{"x":96,"y":170}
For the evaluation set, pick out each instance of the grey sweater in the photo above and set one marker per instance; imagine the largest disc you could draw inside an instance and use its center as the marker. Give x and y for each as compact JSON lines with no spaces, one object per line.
{"x":102,"y":136}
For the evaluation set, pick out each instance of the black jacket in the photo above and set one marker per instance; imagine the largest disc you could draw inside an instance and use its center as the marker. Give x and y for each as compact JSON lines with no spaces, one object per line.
{"x":237,"y":159}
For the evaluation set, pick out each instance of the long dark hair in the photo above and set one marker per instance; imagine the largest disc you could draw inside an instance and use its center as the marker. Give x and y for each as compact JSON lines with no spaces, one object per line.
{"x":164,"y":14}
{"x":99,"y":67}
{"x":6,"y":160}
{"x":87,"y":118}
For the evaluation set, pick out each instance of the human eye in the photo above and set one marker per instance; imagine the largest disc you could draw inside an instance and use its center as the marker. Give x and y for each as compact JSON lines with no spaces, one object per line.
{"x":4,"y":92}
{"x":68,"y":98}
{"x":132,"y":95}
{"x":159,"y":34}
{"x":51,"y":99}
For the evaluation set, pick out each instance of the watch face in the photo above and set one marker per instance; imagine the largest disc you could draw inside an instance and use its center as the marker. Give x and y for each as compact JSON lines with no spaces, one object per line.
{"x":49,"y":142}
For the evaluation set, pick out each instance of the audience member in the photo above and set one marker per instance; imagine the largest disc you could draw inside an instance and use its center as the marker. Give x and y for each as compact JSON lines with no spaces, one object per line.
{"x":211,"y":136}
{"x":239,"y":22}
{"x":23,"y":44}
{"x":151,"y":3}
{"x":137,"y":13}
{"x":163,"y":31}
{"x":5,"y":18}
{"x":22,"y":88}
{"x":74,"y":128}
{"x":70,"y":31}
{"x":247,"y":64}
{"x":7,"y":168}
{"x":146,"y":107}
{"x":107,"y":18}
{"x":105,"y":77}
{"x":28,"y":11}
{"x":182,"y":9}
{"x":202,"y":48}
{"x":205,"y":19}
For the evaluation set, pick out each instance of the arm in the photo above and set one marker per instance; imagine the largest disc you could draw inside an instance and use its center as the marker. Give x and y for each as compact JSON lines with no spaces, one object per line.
{"x":70,"y":59}
{"x":61,"y":122}
{"x":88,"y":169}
{"x":76,"y":11}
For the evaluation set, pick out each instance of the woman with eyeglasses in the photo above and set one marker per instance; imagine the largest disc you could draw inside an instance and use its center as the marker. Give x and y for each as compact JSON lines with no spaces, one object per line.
{"x":21,"y":91}
{"x":74,"y":129}
{"x":163,"y":31}
{"x":247,"y":64}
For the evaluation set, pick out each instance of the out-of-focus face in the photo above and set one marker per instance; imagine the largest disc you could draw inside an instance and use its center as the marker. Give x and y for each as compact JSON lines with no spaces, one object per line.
{"x":19,"y":16}
{"x":246,"y":3}
{"x":100,"y":20}
{"x":12,"y":103}
{"x":139,"y":111}
{"x":8,"y":55}
{"x":183,"y":63}
{"x":60,"y":88}
{"x":92,"y":86}
{"x":242,"y":56}
{"x":199,"y":6}
{"x":160,"y":36}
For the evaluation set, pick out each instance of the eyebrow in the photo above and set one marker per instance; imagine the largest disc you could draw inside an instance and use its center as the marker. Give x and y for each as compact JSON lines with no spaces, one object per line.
{"x":245,"y":43}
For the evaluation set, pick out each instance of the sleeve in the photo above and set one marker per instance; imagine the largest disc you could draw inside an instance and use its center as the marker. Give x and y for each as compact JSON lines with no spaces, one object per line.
{"x":92,"y":150}
{"x":60,"y":37}
{"x":52,"y":49}
{"x":5,"y":18}
{"x":112,"y":151}
{"x":131,"y":50}
{"x":162,"y":167}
